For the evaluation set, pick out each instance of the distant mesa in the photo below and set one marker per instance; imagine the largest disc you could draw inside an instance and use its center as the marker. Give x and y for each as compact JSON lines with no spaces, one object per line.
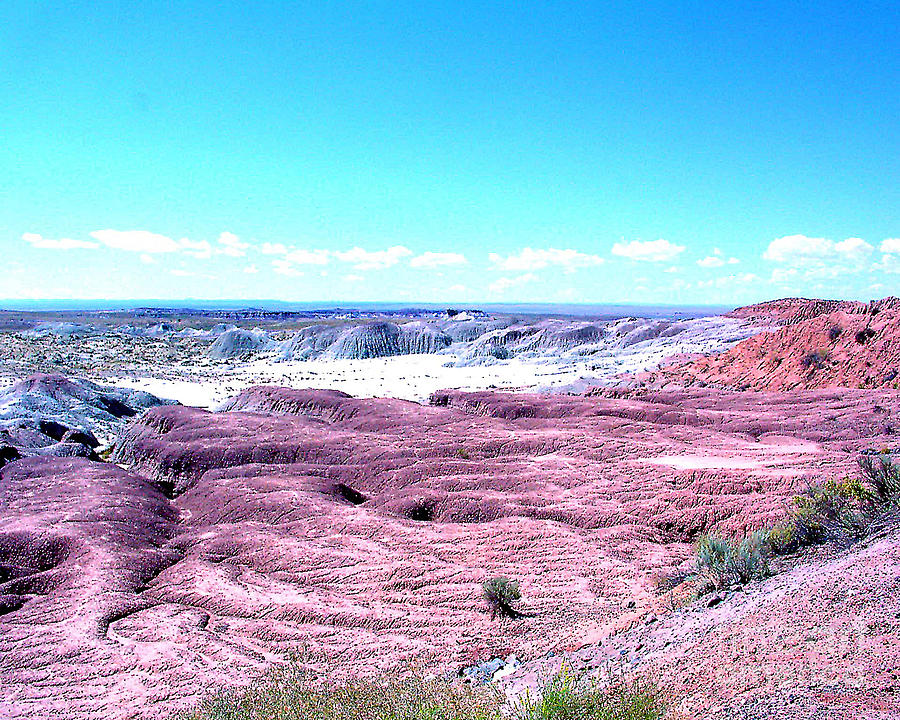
{"x":62,"y":329}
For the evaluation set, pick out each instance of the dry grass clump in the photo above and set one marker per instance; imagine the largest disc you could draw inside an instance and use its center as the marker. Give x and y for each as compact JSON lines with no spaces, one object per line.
{"x":292,"y":694}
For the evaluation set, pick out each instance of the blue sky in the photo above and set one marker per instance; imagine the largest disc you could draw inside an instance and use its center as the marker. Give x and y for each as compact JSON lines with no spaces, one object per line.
{"x":458,"y":152}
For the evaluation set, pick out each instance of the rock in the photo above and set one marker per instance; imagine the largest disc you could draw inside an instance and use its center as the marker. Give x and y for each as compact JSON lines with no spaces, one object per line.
{"x":362,"y":342}
{"x":417,"y":338}
{"x":62,"y":329}
{"x":8,"y":454}
{"x":812,"y":609}
{"x":82,"y":539}
{"x":83,"y":437}
{"x":65,"y":449}
{"x":484,"y":673}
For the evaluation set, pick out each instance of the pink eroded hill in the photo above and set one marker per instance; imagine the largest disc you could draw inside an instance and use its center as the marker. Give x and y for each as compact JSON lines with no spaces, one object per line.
{"x":820,"y":344}
{"x":361,"y":530}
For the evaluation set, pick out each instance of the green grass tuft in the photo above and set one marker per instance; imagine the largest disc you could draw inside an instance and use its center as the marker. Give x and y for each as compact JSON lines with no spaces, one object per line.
{"x":570,"y":697}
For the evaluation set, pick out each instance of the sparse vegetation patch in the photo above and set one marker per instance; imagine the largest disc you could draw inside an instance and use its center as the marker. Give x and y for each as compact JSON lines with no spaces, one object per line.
{"x":836,"y":511}
{"x":722,"y":562}
{"x":292,"y":694}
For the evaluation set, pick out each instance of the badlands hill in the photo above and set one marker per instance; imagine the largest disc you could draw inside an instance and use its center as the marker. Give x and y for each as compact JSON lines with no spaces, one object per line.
{"x":811,"y":344}
{"x":361,"y":530}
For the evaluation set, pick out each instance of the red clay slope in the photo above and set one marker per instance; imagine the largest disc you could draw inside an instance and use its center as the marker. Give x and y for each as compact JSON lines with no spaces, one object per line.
{"x":817,"y":346}
{"x":361,"y":530}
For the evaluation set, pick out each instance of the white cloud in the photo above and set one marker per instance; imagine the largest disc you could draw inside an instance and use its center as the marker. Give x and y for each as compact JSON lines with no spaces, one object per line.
{"x":505,"y":283}
{"x":711,"y":261}
{"x":531,"y":259}
{"x":38,"y":241}
{"x":782,"y":275}
{"x":232,"y":245}
{"x":432,"y":260}
{"x":199,"y":249}
{"x":353,"y":279}
{"x":717,"y":260}
{"x":889,"y":263}
{"x":147,"y":259}
{"x":649,"y":251}
{"x":284,"y":267}
{"x":803,"y":250}
{"x":890,"y":245}
{"x":729,"y":281}
{"x":273,"y":249}
{"x":251,"y":269}
{"x":142,"y":241}
{"x":359,"y":258}
{"x":301,"y":256}
{"x":374,"y":259}
{"x":136,"y":241}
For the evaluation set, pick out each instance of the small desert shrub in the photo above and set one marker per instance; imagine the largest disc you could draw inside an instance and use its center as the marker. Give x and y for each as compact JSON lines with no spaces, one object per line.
{"x":293,"y":694}
{"x":724,"y":562}
{"x":749,"y":561}
{"x":463,"y":454}
{"x":500,"y":593}
{"x":782,"y":538}
{"x":570,"y":697}
{"x":883,"y":476}
{"x":813,"y":360}
{"x":712,"y":558}
{"x":834,"y":332}
{"x":863,"y":336}
{"x":848,"y":508}
{"x":835,"y":510}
